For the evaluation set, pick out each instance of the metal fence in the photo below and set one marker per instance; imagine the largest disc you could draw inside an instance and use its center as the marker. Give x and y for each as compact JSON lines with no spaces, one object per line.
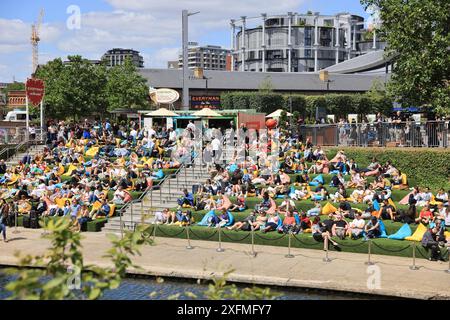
{"x":380,"y":134}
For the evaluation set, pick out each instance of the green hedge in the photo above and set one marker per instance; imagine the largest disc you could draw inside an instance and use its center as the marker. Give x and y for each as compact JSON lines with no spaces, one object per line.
{"x":424,"y":167}
{"x":338,"y":104}
{"x":379,"y":246}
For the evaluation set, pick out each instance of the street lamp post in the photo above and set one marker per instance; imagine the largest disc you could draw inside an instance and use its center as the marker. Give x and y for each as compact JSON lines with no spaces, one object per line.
{"x":185,"y":33}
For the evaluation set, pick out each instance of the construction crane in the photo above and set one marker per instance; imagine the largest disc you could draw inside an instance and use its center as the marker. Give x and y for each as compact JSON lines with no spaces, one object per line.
{"x":35,"y":30}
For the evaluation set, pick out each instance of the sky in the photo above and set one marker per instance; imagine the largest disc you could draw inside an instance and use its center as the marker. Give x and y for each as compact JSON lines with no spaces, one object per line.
{"x":152,"y":27}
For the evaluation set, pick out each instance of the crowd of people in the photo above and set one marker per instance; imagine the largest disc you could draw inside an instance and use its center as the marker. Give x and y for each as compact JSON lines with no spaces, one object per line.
{"x":86,"y":171}
{"x":359,"y":197}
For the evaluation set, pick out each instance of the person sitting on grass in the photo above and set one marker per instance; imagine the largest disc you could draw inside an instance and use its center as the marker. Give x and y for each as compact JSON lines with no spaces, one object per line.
{"x":260,"y":220}
{"x":83,"y":218}
{"x":286,"y":206}
{"x":103,"y":211}
{"x":305,"y":222}
{"x":239,"y":205}
{"x":356,"y":227}
{"x":187,"y":200}
{"x":320,"y":233}
{"x":316,"y":210}
{"x":425,"y":216}
{"x":372,"y":229}
{"x":244,"y":225}
{"x":387,"y":211}
{"x":271,"y":224}
{"x":184,"y":217}
{"x":289,"y":224}
{"x":344,"y":208}
{"x":430,"y":243}
{"x":339,"y":228}
{"x":357,"y":195}
{"x":161,"y":217}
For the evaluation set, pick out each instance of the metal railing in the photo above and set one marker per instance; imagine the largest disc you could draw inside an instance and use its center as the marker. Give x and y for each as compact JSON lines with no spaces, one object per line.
{"x":149,"y":193}
{"x":381,"y":134}
{"x":10,"y":151}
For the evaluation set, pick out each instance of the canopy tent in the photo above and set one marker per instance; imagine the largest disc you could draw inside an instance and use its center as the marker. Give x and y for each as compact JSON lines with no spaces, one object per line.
{"x":162,"y":112}
{"x":277,"y":114}
{"x":207,"y":113}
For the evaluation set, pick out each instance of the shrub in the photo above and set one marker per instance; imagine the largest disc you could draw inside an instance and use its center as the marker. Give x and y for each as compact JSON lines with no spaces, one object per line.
{"x":424,"y":167}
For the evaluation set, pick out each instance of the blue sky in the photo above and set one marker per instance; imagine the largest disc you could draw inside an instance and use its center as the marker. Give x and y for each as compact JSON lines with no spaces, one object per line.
{"x":151,"y":26}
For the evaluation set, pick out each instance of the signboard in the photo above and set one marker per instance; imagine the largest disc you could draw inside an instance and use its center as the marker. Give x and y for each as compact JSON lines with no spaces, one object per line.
{"x":164,"y":96}
{"x":35,"y":91}
{"x":200,"y":102}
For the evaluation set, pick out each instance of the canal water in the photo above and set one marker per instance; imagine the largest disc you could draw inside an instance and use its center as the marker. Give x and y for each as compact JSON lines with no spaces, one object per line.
{"x":151,"y":288}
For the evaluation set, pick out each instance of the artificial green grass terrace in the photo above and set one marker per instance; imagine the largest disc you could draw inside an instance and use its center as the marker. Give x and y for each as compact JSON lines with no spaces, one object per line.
{"x":388,"y":247}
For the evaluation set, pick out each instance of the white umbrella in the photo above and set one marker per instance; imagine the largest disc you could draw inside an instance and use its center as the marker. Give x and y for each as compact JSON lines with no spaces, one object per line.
{"x":277,"y":114}
{"x":206,"y":112}
{"x":162,"y":112}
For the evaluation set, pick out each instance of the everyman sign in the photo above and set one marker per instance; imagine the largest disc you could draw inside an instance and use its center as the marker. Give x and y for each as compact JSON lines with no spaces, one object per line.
{"x":35,"y":91}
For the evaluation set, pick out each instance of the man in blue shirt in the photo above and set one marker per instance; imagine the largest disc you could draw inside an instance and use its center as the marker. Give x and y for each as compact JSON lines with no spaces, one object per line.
{"x":187,"y":199}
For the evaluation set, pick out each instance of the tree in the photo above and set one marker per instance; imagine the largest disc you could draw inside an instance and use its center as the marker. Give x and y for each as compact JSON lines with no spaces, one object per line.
{"x":418,"y":40}
{"x":126,"y":88}
{"x":75,"y":89}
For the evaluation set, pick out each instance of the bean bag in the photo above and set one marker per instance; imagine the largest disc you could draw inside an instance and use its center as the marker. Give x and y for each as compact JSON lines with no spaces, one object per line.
{"x":92,"y":151}
{"x":297,"y":219}
{"x":382,"y":229}
{"x":205,"y":219}
{"x":113,"y":208}
{"x":280,"y":222}
{"x":376,"y":205}
{"x":402,"y":233}
{"x":317,"y":180}
{"x":60,"y":171}
{"x":61,"y":201}
{"x":418,"y":234}
{"x":392,"y":203}
{"x":405,"y":199}
{"x":329,"y":208}
{"x":71,"y":168}
{"x":231,"y":221}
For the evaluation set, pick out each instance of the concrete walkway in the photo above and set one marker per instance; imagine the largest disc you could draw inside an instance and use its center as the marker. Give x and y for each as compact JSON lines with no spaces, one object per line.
{"x":346,"y":272}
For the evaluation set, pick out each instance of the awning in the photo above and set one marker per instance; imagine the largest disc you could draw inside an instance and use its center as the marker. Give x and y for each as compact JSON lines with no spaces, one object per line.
{"x":277,"y":114}
{"x":163,"y":112}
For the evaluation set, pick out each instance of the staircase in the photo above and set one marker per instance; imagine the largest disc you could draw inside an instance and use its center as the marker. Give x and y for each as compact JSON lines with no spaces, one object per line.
{"x":32,"y":151}
{"x":162,"y":197}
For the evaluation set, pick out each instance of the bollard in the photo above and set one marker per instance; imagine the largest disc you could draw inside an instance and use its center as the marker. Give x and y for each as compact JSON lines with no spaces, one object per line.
{"x":15,"y":224}
{"x":189,"y":247}
{"x":326,"y":259}
{"x":369,"y":251}
{"x":220,"y":249}
{"x":253,"y":253}
{"x":289,"y":255}
{"x":414,"y":267}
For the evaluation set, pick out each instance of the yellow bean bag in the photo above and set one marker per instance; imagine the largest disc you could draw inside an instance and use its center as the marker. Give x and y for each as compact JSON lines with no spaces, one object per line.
{"x":329,"y":208}
{"x":92,"y":152}
{"x":113,"y":208}
{"x":60,"y":170}
{"x":418,"y":234}
{"x":96,"y":205}
{"x":71,"y":169}
{"x":447,"y":234}
{"x":392,"y":203}
{"x":404,"y":179}
{"x":61,"y":201}
{"x":14,"y":179}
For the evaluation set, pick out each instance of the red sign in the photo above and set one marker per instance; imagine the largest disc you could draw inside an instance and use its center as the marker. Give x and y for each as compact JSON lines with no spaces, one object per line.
{"x":35,"y":90}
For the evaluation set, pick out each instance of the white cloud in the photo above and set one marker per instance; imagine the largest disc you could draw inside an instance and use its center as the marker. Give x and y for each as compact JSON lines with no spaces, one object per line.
{"x":160,"y":57}
{"x":15,"y":35}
